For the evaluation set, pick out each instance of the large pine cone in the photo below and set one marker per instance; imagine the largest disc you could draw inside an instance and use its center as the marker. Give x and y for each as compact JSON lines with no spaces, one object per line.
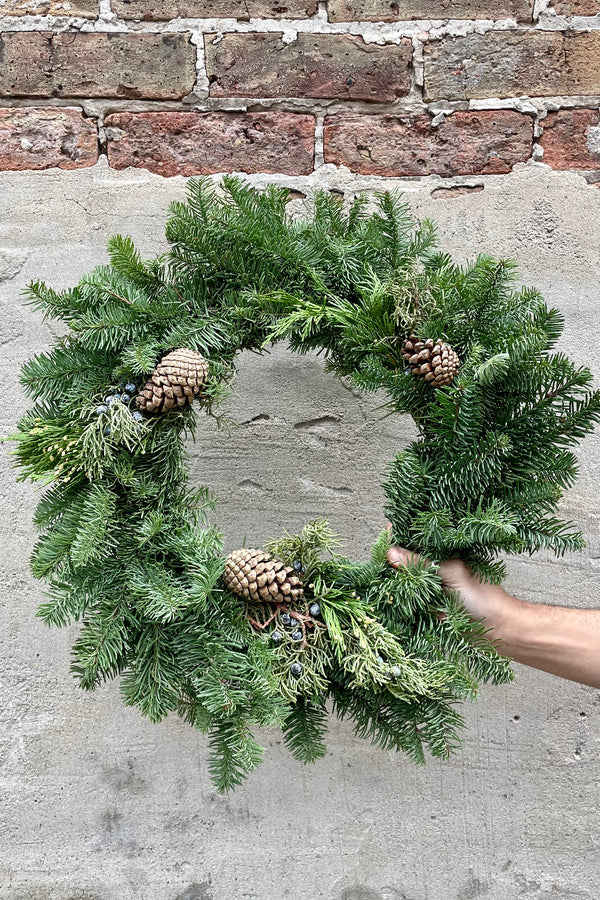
{"x":434,"y":361}
{"x":259,"y":577}
{"x":178,"y":378}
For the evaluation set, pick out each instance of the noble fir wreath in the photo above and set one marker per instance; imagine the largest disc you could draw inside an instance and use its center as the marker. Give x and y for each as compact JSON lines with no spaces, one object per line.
{"x":281,"y":635}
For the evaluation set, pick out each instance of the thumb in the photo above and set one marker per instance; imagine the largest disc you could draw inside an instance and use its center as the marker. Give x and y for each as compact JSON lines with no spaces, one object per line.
{"x":399,"y":556}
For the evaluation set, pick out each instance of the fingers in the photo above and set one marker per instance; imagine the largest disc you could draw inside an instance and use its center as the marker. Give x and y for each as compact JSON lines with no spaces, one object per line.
{"x":399,"y":556}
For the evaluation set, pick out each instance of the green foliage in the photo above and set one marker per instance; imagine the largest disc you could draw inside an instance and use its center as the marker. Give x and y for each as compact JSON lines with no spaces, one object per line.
{"x":307,"y":547}
{"x":304,"y":729}
{"x":130,"y":551}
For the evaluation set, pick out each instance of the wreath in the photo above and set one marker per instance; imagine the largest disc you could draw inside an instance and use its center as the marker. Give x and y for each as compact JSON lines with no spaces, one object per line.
{"x":282,"y":635}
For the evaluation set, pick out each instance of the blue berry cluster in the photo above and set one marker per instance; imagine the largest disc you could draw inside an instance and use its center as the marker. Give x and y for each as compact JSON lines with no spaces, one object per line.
{"x":293,"y":626}
{"x":121,"y":393}
{"x":296,"y":635}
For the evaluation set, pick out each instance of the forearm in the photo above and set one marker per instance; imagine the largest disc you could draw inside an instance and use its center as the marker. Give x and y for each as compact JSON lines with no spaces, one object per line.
{"x":556,"y":639}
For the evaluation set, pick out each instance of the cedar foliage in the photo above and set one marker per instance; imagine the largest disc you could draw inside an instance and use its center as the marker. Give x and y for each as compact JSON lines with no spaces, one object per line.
{"x":127,"y":547}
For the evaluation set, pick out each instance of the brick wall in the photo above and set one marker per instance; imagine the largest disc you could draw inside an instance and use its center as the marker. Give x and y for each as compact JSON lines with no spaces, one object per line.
{"x":284,"y":86}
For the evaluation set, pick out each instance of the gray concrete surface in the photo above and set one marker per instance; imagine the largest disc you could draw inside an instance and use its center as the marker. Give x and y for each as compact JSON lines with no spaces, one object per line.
{"x":99,"y":804}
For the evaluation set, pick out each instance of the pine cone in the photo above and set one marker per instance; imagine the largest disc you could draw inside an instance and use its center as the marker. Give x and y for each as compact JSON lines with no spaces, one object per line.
{"x":178,"y":378}
{"x":434,"y":361}
{"x":259,"y":577}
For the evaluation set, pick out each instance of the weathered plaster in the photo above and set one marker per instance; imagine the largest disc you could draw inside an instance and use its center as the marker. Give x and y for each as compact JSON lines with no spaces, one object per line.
{"x":99,"y":804}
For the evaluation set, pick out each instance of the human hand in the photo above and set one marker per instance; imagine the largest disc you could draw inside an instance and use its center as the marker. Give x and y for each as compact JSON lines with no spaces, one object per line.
{"x":562,"y":640}
{"x":483,"y":601}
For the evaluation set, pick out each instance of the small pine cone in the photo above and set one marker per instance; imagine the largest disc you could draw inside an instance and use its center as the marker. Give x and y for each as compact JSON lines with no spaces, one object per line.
{"x":435,"y":361}
{"x":178,"y":378}
{"x":259,"y":577}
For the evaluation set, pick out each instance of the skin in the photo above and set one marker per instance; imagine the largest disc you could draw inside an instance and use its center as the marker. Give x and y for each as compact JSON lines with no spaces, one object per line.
{"x":556,"y":639}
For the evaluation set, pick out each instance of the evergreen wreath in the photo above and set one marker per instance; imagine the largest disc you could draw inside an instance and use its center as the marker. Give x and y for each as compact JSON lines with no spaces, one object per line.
{"x":269,"y":637}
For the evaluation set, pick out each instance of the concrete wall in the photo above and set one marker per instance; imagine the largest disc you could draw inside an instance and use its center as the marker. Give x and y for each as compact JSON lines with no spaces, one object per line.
{"x":99,"y":804}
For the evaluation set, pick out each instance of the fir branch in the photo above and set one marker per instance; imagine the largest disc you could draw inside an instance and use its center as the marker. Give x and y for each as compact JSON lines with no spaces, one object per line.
{"x":304,"y":730}
{"x":151,"y":682}
{"x":234,"y":753}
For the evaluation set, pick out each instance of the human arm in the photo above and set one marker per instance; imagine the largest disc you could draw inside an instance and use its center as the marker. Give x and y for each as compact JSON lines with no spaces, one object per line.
{"x":557,"y":639}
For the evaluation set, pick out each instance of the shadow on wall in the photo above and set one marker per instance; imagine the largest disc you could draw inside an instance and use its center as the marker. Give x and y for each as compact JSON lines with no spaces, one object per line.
{"x":196,"y":892}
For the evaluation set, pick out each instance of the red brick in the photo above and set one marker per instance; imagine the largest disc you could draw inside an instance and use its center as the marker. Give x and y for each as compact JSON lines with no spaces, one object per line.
{"x":513,"y":63}
{"x":314,"y":65}
{"x":401,"y":10}
{"x":151,"y":10}
{"x":85,"y":9}
{"x":571,"y":139}
{"x":26,"y":58}
{"x":46,"y":137}
{"x":192,"y":143}
{"x":466,"y":143}
{"x":149,"y":66}
{"x":577,"y":7}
